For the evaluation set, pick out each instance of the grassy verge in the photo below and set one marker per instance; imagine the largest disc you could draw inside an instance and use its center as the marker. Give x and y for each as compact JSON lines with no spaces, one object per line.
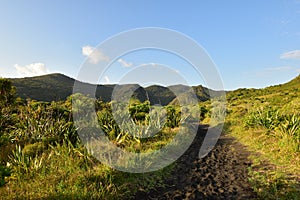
{"x":67,"y":171}
{"x":41,"y":156}
{"x":272,"y":134}
{"x":274,"y":173}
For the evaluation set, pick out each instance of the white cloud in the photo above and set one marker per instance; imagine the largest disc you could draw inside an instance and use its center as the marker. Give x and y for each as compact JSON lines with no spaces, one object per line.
{"x":94,"y":55}
{"x":124,"y":63}
{"x":34,"y":69}
{"x":149,"y":64}
{"x":107,"y":80}
{"x":291,"y":55}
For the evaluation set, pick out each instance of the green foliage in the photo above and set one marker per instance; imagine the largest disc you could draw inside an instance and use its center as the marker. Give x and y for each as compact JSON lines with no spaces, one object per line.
{"x":52,"y":87}
{"x":203,"y":112}
{"x":285,"y":127}
{"x":268,"y":118}
{"x":273,"y":186}
{"x":57,"y":87}
{"x":159,"y":95}
{"x":268,"y":122}
{"x":40,"y":121}
{"x":108,"y":124}
{"x":7,"y":99}
{"x":4,"y":172}
{"x":20,"y":162}
{"x":129,"y":136}
{"x":7,"y":92}
{"x":46,"y":163}
{"x":34,"y":149}
{"x":139,"y":111}
{"x":173,"y":116}
{"x":45,"y":159}
{"x":289,"y":131}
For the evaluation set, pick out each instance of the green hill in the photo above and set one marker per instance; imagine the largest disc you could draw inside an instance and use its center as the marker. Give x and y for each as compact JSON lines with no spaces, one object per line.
{"x":55,"y":87}
{"x":277,"y":95}
{"x":44,"y":88}
{"x":267,"y":121}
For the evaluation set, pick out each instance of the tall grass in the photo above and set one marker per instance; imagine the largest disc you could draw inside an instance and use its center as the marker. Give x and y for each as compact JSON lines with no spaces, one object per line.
{"x":45,"y":158}
{"x":267,"y":122}
{"x":284,"y":127}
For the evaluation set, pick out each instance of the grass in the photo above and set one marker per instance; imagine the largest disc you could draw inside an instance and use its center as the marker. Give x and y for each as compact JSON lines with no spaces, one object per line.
{"x":267,"y":122}
{"x":272,"y":164}
{"x":41,"y":155}
{"x":67,"y":171}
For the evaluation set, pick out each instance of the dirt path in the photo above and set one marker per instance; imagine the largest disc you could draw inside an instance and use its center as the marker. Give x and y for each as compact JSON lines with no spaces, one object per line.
{"x":222,"y":174}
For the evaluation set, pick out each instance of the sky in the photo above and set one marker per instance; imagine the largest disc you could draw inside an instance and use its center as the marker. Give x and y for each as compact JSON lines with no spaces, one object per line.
{"x":253,"y":43}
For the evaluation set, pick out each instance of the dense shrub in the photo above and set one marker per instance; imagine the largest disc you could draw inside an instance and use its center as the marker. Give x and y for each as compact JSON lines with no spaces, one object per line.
{"x":4,"y":172}
{"x":173,"y":116}
{"x":268,"y":118}
{"x":139,"y":111}
{"x":285,"y":127}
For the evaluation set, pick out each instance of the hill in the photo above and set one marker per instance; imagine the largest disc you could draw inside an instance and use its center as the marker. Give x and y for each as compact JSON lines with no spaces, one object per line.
{"x":55,"y":87}
{"x":277,"y":95}
{"x":50,"y":87}
{"x":267,"y":121}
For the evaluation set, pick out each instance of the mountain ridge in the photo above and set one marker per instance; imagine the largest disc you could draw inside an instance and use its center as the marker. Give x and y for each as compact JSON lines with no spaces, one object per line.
{"x":57,"y":86}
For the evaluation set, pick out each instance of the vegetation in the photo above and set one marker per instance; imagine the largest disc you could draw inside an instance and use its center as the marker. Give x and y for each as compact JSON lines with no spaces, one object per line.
{"x":42,"y":156}
{"x":58,"y":87}
{"x":267,"y":121}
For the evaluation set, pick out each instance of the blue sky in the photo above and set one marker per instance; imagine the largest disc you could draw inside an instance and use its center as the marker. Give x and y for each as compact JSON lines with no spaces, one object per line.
{"x":253,"y":43}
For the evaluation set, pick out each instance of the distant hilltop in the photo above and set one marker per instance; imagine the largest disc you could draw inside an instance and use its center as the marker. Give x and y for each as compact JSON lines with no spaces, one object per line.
{"x":56,"y":87}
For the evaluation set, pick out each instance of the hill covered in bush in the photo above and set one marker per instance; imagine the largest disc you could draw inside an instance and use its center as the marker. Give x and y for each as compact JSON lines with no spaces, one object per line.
{"x":55,"y":87}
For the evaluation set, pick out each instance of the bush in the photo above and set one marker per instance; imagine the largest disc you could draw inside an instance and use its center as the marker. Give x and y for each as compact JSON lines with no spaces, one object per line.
{"x":7,"y":92}
{"x":268,"y":118}
{"x":173,"y":117}
{"x":289,"y":131}
{"x":33,"y":149}
{"x":139,"y":111}
{"x":285,"y":127}
{"x":38,"y":121}
{"x":4,"y":172}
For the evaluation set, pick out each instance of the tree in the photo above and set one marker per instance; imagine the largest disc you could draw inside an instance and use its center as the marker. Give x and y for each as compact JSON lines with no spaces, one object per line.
{"x":7,"y":92}
{"x":7,"y":98}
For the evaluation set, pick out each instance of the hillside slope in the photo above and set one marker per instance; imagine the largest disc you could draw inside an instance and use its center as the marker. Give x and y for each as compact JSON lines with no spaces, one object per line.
{"x":54,"y":87}
{"x":267,"y":121}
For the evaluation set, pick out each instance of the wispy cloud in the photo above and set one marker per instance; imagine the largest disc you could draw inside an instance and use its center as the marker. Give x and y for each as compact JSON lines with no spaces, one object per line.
{"x":149,"y":64}
{"x":291,"y":55}
{"x":107,"y":80}
{"x":125,"y":63}
{"x":33,"y":69}
{"x":94,"y":55}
